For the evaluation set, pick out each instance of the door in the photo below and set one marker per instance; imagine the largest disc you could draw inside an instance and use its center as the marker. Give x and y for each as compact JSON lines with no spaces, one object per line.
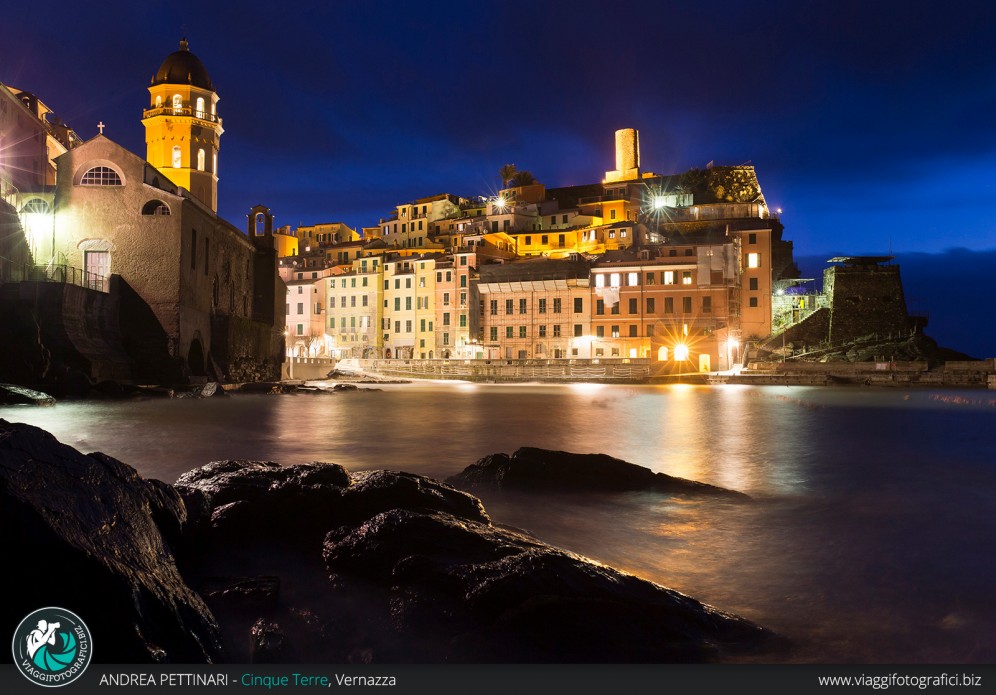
{"x":98,"y":268}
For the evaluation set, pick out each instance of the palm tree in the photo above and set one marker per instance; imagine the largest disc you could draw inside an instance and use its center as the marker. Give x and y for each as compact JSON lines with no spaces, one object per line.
{"x":524,"y":178}
{"x":507,"y":173}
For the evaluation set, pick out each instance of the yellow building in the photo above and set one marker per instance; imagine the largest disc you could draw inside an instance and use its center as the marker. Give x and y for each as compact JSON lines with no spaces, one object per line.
{"x":285,"y":242}
{"x":182,"y":126}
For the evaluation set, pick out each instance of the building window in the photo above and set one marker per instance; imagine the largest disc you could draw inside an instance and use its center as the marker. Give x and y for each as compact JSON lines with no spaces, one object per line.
{"x":633,"y":308}
{"x":177,"y":104}
{"x":446,"y":298}
{"x":667,"y":277}
{"x":612,"y":216}
{"x":650,"y":278}
{"x":707,"y":305}
{"x":156,"y":208}
{"x":599,"y":307}
{"x":650,"y":330}
{"x":494,"y":333}
{"x":101,"y":176}
{"x":494,"y":307}
{"x":463,"y":320}
{"x":752,"y":282}
{"x":668,"y":305}
{"x":686,"y":277}
{"x":615,"y":331}
{"x":577,"y":330}
{"x":446,"y":318}
{"x":508,"y":306}
{"x":753,"y":302}
{"x":578,"y":305}
{"x":632,"y":279}
{"x":522,"y":331}
{"x":600,"y":280}
{"x":542,"y":331}
{"x":200,"y":160}
{"x":200,"y":107}
{"x":177,"y":157}
{"x":650,"y":305}
{"x":509,"y":331}
{"x":686,"y":305}
{"x":542,"y":306}
{"x":300,"y":308}
{"x":557,"y":305}
{"x":752,"y":238}
{"x":522,"y":306}
{"x":632,"y":331}
{"x":599,"y":331}
{"x":408,"y":326}
{"x":753,"y":260}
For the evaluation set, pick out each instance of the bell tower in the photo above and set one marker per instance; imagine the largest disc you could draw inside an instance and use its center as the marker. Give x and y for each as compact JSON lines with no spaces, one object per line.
{"x":182,"y":127}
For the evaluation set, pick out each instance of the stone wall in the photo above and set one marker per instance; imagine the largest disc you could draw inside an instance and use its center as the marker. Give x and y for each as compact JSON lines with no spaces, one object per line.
{"x":245,"y":350}
{"x":77,"y":328}
{"x":865,"y":300}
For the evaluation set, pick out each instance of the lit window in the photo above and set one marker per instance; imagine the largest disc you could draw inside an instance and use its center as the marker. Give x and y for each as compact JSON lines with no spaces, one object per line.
{"x":159,"y":102}
{"x":200,"y":160}
{"x":177,"y":103}
{"x":101,"y":176}
{"x":614,"y":280}
{"x":681,"y":352}
{"x":668,"y":277}
{"x":177,"y":157}
{"x":753,"y":260}
{"x":600,"y":280}
{"x":200,"y":107}
{"x":632,"y":279}
{"x":686,"y":277}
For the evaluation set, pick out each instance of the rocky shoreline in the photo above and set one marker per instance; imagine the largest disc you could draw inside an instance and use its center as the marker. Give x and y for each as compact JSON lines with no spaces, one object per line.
{"x":249,"y":561}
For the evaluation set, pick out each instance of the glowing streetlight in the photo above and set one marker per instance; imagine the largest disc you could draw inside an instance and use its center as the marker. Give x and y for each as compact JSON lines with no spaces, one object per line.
{"x":681,"y":352}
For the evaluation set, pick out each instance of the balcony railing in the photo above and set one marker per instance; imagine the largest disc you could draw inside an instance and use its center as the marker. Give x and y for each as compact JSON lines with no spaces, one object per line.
{"x":172,"y":111}
{"x":66,"y":274}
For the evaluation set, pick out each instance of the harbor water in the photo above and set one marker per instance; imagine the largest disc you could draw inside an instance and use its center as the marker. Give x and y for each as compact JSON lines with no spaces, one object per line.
{"x":870,"y":537}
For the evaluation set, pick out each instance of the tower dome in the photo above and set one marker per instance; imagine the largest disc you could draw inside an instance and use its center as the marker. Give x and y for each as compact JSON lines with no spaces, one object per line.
{"x":183,"y":67}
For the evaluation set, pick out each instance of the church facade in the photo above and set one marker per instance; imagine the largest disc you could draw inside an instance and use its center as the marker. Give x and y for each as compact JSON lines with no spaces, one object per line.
{"x":195,"y":296}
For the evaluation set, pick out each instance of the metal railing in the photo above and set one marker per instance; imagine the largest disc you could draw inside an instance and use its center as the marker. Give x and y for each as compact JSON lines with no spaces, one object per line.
{"x":61,"y":273}
{"x":186,"y":111}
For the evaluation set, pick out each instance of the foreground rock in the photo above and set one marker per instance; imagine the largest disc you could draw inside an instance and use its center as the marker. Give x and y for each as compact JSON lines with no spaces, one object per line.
{"x":313,"y":564}
{"x":466,"y":591}
{"x":19,"y":395}
{"x":532,"y":469}
{"x":81,"y":532}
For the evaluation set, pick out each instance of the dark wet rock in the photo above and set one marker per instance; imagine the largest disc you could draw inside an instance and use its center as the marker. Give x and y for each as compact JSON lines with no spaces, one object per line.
{"x":82,"y":532}
{"x":452,"y":589}
{"x":11,"y":394}
{"x":532,"y":469}
{"x":269,"y":643}
{"x":299,"y":504}
{"x":245,"y":592}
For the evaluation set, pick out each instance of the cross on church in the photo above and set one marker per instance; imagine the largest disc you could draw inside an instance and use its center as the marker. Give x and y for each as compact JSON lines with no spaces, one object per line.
{"x":101,"y":126}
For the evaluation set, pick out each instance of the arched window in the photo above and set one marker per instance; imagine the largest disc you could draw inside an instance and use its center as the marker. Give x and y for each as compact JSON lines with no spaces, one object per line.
{"x":214,"y":167}
{"x":101,"y":176}
{"x":36,"y":206}
{"x":177,"y":103}
{"x":177,"y":157}
{"x":200,"y":160}
{"x":200,"y":107}
{"x":156,"y":207}
{"x":159,"y":102}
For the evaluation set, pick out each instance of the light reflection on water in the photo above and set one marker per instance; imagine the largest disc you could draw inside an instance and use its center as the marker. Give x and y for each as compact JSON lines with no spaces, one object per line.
{"x":870,"y":538}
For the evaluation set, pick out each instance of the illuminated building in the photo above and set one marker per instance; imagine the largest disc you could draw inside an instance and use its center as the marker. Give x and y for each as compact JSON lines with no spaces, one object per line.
{"x":182,"y":126}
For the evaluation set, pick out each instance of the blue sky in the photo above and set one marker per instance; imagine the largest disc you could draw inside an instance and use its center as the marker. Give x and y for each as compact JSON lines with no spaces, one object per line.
{"x":870,"y":124}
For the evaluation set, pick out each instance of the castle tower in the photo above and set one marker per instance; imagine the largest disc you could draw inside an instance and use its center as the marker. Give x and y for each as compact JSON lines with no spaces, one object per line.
{"x":182,"y":127}
{"x":627,"y":156}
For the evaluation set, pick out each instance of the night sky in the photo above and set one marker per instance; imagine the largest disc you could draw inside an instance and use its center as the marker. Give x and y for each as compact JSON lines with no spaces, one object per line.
{"x":872,"y":124}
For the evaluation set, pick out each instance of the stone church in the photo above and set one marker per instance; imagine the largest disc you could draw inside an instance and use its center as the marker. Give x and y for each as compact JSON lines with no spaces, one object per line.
{"x":195,"y":297}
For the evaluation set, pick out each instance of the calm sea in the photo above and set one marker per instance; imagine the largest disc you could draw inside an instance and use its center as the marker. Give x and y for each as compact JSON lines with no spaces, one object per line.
{"x":871,"y":538}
